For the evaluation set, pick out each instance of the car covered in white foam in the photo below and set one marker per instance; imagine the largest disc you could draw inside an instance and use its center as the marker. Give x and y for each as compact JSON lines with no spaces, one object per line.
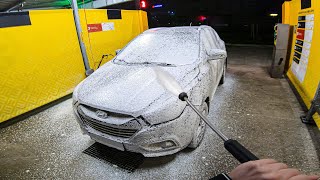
{"x":123,"y":105}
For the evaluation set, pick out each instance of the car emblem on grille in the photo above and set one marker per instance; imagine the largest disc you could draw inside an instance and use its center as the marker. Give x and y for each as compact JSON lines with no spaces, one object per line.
{"x":101,"y":114}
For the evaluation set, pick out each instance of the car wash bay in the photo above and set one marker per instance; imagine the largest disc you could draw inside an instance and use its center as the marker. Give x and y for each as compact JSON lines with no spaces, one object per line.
{"x":41,"y":139}
{"x":261,"y":112}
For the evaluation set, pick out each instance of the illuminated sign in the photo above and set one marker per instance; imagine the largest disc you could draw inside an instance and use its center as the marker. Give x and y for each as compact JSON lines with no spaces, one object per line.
{"x":143,"y":4}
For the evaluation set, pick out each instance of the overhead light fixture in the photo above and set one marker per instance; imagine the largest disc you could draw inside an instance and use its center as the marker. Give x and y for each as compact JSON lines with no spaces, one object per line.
{"x":273,"y":15}
{"x":157,"y":6}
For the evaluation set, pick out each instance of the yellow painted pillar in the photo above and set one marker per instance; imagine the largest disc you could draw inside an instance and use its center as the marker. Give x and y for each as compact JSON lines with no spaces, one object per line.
{"x":304,"y":64}
{"x":286,"y":12}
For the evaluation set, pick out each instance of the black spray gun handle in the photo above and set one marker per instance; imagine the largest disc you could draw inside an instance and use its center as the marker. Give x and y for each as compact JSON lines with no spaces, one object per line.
{"x":238,"y":151}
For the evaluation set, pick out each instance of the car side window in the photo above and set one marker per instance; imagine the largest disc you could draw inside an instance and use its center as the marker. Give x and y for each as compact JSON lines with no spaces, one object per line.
{"x":217,"y":38}
{"x":211,"y":39}
{"x":205,"y":40}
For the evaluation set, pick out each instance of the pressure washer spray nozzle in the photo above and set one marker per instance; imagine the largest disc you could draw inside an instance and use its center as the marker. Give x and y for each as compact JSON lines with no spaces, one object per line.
{"x":183,"y":96}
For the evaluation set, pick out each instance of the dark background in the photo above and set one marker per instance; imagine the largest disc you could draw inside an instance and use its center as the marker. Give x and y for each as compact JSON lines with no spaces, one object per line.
{"x":236,"y":21}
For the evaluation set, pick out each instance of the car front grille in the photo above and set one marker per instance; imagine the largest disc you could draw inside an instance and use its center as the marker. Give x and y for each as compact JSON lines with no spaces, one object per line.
{"x":124,"y":131}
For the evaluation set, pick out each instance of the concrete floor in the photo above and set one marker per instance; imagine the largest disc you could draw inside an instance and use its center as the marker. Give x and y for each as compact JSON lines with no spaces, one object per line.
{"x":262,"y":113}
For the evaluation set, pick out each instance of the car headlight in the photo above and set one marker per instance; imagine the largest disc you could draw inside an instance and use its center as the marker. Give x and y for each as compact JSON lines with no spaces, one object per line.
{"x":164,"y":145}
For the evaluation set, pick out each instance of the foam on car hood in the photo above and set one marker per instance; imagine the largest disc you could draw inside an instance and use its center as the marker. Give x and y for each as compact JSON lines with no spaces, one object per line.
{"x":132,"y":90}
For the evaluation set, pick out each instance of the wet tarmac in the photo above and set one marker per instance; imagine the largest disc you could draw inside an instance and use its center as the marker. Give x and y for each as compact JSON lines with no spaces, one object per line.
{"x":260,"y":112}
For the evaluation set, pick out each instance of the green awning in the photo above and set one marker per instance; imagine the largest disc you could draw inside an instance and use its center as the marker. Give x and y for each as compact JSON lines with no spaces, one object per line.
{"x":32,"y":4}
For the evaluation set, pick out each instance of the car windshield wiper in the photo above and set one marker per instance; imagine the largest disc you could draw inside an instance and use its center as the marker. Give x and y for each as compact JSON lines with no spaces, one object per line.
{"x":121,"y":61}
{"x":165,"y":64}
{"x":157,"y":63}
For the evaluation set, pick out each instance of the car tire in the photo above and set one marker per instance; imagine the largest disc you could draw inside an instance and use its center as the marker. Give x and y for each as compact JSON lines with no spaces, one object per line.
{"x":200,"y":130}
{"x":223,"y":77}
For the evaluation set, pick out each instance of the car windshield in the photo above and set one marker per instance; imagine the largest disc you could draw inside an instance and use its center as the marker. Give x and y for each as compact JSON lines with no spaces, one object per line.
{"x":170,"y":48}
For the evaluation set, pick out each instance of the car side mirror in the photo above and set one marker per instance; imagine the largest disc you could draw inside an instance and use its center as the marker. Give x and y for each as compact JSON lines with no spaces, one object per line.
{"x":118,"y":51}
{"x":215,"y":54}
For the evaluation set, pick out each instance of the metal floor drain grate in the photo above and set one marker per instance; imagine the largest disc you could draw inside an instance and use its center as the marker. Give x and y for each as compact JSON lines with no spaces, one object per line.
{"x":129,"y":161}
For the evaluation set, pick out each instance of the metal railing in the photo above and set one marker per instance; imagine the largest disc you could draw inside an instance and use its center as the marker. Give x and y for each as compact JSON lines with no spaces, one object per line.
{"x":314,"y":108}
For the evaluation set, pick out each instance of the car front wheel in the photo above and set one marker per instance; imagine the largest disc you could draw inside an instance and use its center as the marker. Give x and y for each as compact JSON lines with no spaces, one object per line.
{"x":223,"y":77}
{"x":201,"y":127}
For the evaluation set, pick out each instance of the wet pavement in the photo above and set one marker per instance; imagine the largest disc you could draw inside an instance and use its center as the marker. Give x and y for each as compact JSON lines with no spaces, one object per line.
{"x":260,"y":112}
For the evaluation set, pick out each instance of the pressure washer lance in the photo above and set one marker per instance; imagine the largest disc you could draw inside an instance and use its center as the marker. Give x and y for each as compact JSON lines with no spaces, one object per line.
{"x":234,"y":147}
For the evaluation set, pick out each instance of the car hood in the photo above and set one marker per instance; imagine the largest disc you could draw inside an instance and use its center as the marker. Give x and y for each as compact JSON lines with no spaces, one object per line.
{"x":130,"y":90}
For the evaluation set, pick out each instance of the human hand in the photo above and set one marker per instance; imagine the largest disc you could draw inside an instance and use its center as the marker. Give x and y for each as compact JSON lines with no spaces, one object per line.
{"x":267,"y":169}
